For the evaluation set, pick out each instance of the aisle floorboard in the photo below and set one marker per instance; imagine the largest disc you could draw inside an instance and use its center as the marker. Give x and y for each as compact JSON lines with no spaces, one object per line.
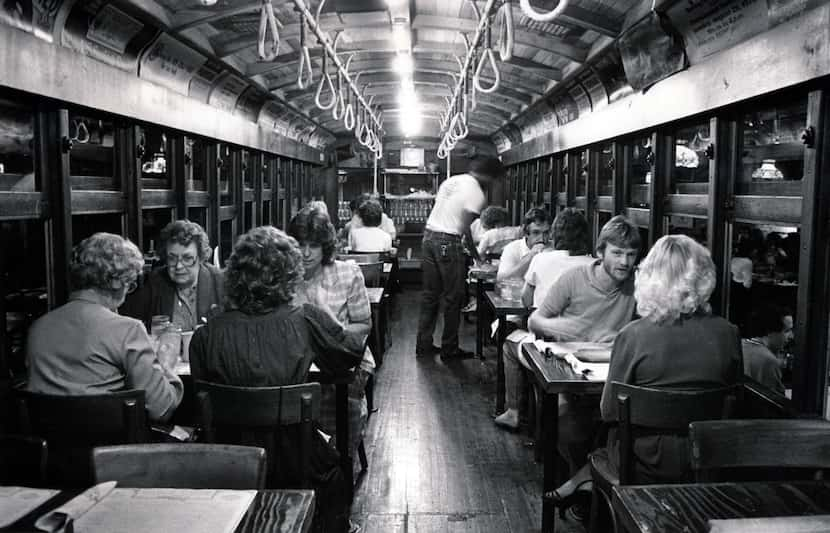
{"x":436,"y":461}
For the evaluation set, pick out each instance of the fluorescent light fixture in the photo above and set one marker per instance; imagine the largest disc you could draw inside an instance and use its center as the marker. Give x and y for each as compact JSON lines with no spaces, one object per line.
{"x":401,"y":36}
{"x":403,"y":64}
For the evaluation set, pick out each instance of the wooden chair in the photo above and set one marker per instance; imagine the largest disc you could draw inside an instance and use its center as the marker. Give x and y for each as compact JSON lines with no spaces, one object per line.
{"x":73,"y":425}
{"x":655,"y":411}
{"x":372,"y":273}
{"x":734,"y":450}
{"x":258,"y":415}
{"x":23,"y":460}
{"x":181,"y":466}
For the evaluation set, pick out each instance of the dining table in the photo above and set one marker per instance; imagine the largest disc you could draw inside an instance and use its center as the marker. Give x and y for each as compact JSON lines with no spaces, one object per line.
{"x":502,"y":308}
{"x":484,"y":278}
{"x":703,"y":507}
{"x":554,"y":376}
{"x":270,"y":511}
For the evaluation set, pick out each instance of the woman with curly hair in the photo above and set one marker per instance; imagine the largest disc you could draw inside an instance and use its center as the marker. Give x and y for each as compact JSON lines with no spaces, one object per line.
{"x":264,"y":339}
{"x":187,"y":288}
{"x":677,"y":343}
{"x":86,"y":347}
{"x":338,"y":287}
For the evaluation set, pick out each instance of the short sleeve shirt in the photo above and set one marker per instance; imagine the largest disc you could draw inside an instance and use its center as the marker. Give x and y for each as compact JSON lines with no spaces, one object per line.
{"x":457,"y":194}
{"x":546,"y":268}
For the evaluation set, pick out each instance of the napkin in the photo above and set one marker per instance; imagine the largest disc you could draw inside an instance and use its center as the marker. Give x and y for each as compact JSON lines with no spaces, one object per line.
{"x":778,"y":524}
{"x":65,"y":515}
{"x":591,"y":371}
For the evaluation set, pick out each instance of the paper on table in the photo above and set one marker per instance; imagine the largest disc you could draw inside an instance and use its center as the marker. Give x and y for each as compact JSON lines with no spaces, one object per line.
{"x":779,"y":524}
{"x":565,"y":350}
{"x":17,"y":502}
{"x":153,"y":510}
{"x":75,"y":508}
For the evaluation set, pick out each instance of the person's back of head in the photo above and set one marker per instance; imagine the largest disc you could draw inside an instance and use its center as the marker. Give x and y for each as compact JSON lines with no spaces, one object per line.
{"x":764,"y":319}
{"x":571,"y":232}
{"x":486,"y":168}
{"x":357,"y":201}
{"x":370,"y":213}
{"x":494,"y":216}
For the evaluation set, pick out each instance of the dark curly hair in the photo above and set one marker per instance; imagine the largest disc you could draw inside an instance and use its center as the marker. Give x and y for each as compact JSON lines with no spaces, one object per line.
{"x":104,"y":262}
{"x":537,"y":215}
{"x":571,"y":232}
{"x":313,"y":226}
{"x":494,"y":216}
{"x":263,"y":271}
{"x":370,"y":213}
{"x":184,"y":232}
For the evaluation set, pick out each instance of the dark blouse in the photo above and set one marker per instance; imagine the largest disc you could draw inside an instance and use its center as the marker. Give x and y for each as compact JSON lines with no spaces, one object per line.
{"x":699,"y":352}
{"x":271,"y":349}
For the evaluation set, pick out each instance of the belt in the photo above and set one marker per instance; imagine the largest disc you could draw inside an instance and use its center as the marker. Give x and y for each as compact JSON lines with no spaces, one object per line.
{"x":428,"y":233}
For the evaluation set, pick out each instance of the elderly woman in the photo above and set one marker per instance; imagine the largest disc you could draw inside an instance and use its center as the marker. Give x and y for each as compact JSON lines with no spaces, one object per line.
{"x":265,"y":339}
{"x":677,"y":344}
{"x":337,"y":287}
{"x":189,"y":290}
{"x":85,"y":347}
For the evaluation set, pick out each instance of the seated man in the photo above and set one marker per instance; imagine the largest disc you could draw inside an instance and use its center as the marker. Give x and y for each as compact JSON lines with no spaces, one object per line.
{"x":572,"y":237}
{"x":517,"y":254}
{"x":768,"y":329}
{"x":589,"y":303}
{"x":369,"y":237}
{"x":86,"y":347}
{"x":498,"y":233}
{"x":386,"y":223}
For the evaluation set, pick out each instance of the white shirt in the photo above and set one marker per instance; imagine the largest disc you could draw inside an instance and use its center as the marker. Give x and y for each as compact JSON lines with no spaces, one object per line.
{"x":386,"y":224}
{"x":365,"y":239}
{"x":476,"y":230}
{"x":457,"y":194}
{"x":512,"y":254}
{"x":546,"y":268}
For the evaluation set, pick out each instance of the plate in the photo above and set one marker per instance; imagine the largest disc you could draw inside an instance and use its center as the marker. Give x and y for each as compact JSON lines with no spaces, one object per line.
{"x":593,"y":355}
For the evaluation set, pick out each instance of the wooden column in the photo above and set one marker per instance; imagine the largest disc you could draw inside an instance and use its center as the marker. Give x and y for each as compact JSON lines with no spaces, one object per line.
{"x":127,"y":169}
{"x":620,"y":176}
{"x":212,"y":178}
{"x":810,"y":365}
{"x":722,"y":175}
{"x":660,"y":174}
{"x":178,"y":166}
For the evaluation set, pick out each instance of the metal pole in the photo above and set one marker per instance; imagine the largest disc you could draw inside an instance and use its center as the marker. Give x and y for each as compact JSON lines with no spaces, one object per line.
{"x":449,"y":160}
{"x":375,"y":184}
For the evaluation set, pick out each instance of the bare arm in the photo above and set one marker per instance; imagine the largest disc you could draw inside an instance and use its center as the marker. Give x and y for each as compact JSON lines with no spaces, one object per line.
{"x":519,"y":268}
{"x":467,"y":218}
{"x":527,"y":295}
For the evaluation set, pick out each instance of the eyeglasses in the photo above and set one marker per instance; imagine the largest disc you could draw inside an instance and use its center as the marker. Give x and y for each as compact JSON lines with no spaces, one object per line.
{"x":131,"y":286}
{"x":186,"y":260}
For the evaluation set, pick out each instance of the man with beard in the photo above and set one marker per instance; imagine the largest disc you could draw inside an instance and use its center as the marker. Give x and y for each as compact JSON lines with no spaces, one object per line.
{"x":593,"y":302}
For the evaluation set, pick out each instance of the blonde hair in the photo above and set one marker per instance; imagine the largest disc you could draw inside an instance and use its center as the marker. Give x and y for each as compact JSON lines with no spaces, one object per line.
{"x":675,"y":280}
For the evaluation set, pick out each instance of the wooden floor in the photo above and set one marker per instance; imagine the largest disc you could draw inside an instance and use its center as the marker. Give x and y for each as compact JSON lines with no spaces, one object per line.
{"x":437,"y":463}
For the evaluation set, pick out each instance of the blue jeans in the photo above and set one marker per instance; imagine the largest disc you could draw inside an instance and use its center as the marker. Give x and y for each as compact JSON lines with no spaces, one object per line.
{"x":443,"y":273}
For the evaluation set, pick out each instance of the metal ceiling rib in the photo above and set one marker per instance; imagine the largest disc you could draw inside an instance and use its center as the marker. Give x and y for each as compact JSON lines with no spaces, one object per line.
{"x":544,"y":52}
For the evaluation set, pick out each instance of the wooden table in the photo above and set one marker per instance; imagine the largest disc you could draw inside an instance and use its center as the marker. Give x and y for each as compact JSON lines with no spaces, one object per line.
{"x":376,"y":302}
{"x":553,"y":376}
{"x":688,"y":508}
{"x":282,"y":511}
{"x":341,"y":412}
{"x":485,"y":281}
{"x":502,"y":307}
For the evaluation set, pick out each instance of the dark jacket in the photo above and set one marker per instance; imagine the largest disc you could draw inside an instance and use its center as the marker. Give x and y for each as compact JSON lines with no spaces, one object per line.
{"x":158,"y":295}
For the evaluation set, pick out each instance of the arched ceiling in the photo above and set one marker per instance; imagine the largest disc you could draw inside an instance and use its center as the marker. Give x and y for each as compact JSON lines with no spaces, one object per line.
{"x":543,"y":55}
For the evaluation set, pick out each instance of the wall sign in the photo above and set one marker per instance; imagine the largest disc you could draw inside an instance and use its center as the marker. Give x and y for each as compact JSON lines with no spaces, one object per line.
{"x":113,"y":29}
{"x":170,"y":63}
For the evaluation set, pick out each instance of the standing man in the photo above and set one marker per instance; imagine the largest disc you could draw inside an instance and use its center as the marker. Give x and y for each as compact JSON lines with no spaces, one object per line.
{"x":459,"y":201}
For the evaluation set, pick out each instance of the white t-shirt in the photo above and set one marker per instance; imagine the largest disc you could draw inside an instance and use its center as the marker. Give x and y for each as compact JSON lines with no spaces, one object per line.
{"x":512,"y":254}
{"x":457,"y":194}
{"x":369,"y":240}
{"x":386,"y":224}
{"x":477,"y":231}
{"x":546,"y":268}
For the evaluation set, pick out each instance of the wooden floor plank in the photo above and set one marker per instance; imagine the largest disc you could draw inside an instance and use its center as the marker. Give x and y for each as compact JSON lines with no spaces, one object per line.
{"x":437,"y":463}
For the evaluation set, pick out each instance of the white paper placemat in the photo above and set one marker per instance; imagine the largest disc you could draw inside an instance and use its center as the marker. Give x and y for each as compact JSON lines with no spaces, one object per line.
{"x":779,"y":524}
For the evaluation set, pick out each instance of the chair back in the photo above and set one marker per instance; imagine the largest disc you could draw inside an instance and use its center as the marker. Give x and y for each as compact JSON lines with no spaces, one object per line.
{"x":758,"y":401}
{"x":22,"y":460}
{"x":258,"y":415}
{"x":719,"y":448}
{"x":181,"y":466}
{"x":73,"y":425}
{"x":372,"y":273}
{"x":360,"y":257}
{"x":663,"y":411}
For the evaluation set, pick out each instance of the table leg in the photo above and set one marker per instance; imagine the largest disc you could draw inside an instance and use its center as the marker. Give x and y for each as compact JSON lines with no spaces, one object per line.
{"x":342,"y":430}
{"x":480,"y":319}
{"x":550,"y":420}
{"x":500,"y":385}
{"x":378,"y":353}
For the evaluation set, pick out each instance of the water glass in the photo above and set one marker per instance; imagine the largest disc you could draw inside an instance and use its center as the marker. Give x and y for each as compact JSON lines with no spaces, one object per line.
{"x":158,"y":325}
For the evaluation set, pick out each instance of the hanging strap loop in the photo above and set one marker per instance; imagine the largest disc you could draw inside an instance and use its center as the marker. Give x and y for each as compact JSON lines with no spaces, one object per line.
{"x":487,"y":56}
{"x":268,"y":20}
{"x":305,"y":61}
{"x":528,"y":10}
{"x":505,"y":41}
{"x":325,"y":80}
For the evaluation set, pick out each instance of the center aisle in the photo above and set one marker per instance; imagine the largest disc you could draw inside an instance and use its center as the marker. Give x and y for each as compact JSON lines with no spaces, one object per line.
{"x":437,"y":463}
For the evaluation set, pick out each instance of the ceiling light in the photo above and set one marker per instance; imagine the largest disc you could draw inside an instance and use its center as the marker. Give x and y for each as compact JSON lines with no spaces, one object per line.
{"x":401,"y":36}
{"x":403,"y":64}
{"x":208,"y":2}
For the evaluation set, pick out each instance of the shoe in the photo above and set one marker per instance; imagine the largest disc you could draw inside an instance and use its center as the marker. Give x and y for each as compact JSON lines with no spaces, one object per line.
{"x":578,"y":498}
{"x":429,"y":352}
{"x":458,"y":354}
{"x":508,"y":420}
